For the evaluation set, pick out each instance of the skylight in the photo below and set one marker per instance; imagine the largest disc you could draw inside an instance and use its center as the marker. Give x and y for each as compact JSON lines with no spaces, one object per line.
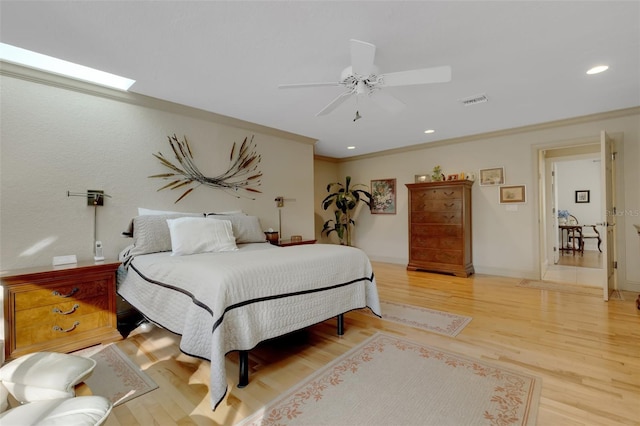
{"x":46,"y":63}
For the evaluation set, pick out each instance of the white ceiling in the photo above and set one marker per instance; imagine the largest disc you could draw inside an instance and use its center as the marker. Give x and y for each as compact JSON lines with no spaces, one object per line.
{"x":228,"y":57}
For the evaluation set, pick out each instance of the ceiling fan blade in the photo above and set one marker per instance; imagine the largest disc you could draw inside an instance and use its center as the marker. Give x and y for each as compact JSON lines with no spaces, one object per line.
{"x":299,"y":85}
{"x":334,"y":103}
{"x":387,"y":101}
{"x":362,"y":55}
{"x":419,"y":76}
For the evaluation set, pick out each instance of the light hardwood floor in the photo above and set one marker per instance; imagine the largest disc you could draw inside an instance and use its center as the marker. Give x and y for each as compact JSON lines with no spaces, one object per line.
{"x":587,"y":351}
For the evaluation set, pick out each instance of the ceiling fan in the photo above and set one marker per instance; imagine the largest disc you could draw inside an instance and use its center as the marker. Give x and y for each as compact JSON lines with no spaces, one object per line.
{"x":362,"y":78}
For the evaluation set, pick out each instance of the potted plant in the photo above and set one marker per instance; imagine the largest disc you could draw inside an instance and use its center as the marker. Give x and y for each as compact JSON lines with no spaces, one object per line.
{"x":346,"y":199}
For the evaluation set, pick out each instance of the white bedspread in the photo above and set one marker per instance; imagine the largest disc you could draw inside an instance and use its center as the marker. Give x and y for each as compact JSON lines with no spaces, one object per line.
{"x":221,"y":302}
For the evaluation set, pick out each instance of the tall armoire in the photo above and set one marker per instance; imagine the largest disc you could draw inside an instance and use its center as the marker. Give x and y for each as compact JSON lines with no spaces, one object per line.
{"x":440,"y":227}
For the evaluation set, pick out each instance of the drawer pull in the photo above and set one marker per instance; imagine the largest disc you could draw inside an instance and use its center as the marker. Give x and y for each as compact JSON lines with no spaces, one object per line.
{"x":71,"y":293}
{"x":449,"y":204}
{"x":72,"y":310}
{"x":61,"y":330}
{"x":448,"y":194}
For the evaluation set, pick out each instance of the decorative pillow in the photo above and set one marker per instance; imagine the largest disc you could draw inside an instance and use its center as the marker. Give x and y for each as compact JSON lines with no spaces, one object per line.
{"x":193,"y":235}
{"x":151,"y":233}
{"x":246,"y":229}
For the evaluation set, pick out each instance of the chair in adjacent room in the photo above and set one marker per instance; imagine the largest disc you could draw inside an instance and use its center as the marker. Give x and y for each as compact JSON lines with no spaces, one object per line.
{"x":588,"y":232}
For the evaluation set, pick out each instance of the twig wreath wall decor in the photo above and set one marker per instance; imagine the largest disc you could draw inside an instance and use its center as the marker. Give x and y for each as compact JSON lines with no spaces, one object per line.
{"x":242,"y":174}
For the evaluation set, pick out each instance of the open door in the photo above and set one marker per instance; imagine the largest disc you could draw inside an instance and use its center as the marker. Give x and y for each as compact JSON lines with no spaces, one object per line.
{"x":607,"y":158}
{"x":554,"y":212}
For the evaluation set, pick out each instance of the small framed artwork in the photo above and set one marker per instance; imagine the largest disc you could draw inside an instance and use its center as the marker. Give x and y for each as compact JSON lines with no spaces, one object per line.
{"x":494,"y":176}
{"x":422,"y":178}
{"x":513,"y":194}
{"x":383,"y":196}
{"x":583,"y":196}
{"x":452,"y":177}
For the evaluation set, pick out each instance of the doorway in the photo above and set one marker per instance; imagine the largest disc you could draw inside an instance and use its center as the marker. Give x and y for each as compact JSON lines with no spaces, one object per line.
{"x":574,"y":192}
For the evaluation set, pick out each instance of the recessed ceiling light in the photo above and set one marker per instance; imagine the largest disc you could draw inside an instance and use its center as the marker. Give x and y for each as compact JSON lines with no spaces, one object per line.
{"x":598,"y":69}
{"x":351,"y":147}
{"x":53,"y":65}
{"x":429,"y":131}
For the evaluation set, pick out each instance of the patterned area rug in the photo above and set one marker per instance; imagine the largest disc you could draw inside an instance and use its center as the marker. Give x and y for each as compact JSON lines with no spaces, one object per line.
{"x":423,"y":318}
{"x":387,"y":380}
{"x":116,"y":377}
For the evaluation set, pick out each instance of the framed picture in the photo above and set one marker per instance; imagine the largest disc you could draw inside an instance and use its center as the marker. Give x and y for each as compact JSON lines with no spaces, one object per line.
{"x":452,"y":177}
{"x":422,"y":178}
{"x":583,"y":196}
{"x":513,"y":194}
{"x":494,"y":176}
{"x":383,"y":196}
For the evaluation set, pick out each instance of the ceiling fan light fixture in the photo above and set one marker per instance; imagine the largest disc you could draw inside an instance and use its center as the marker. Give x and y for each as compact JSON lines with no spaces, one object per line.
{"x":597,"y":69}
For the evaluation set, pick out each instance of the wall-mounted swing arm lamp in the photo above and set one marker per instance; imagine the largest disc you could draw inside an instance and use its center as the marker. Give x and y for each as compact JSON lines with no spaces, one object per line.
{"x":95,"y":198}
{"x":280,"y":204}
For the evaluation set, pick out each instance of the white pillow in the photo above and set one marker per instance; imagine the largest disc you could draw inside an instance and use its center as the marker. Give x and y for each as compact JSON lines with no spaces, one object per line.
{"x":192,"y":235}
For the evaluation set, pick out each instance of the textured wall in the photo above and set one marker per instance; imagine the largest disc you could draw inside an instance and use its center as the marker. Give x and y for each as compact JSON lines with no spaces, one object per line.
{"x":55,"y":140}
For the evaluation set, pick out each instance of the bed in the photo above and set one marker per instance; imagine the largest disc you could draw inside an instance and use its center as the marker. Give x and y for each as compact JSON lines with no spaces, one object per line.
{"x":231,"y":300}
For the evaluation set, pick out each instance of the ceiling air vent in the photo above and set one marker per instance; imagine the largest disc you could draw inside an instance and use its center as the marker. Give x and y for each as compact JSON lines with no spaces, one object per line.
{"x":476,"y":99}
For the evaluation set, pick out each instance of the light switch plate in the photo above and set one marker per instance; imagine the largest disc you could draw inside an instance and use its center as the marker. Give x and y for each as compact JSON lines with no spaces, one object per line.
{"x":64,"y":260}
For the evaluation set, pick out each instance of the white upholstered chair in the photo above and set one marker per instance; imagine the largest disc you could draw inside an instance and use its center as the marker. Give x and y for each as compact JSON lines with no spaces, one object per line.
{"x":42,"y":386}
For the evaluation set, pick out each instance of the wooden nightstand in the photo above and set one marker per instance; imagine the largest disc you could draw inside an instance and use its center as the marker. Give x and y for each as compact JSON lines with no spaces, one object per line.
{"x":60,"y":309}
{"x":289,"y":243}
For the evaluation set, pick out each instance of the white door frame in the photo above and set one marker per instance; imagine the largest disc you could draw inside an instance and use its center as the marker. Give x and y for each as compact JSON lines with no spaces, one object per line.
{"x":538,"y":156}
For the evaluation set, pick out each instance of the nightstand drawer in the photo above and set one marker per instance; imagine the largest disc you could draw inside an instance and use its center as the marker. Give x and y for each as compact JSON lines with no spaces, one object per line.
{"x":61,"y":292}
{"x":60,"y":311}
{"x":53,"y":328}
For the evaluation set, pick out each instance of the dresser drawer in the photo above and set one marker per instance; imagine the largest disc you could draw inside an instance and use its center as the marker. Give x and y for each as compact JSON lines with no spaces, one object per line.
{"x":422,"y":195}
{"x":452,"y":257}
{"x":60,"y":328}
{"x":431,"y":231}
{"x":450,"y":243}
{"x":62,"y":292}
{"x":439,"y":205}
{"x":454,"y":217}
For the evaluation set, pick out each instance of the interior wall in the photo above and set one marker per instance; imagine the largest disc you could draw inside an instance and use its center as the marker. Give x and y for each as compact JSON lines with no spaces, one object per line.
{"x":325,"y":172}
{"x":505,"y":237}
{"x":56,"y":139}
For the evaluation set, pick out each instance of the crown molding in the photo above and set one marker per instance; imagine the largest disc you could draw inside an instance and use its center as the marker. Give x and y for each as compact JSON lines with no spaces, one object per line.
{"x":498,"y":133}
{"x":40,"y":77}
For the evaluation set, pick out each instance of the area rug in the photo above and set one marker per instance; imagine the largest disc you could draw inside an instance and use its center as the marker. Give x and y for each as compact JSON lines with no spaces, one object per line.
{"x":116,"y":377}
{"x":426,"y":319}
{"x":387,"y":380}
{"x":561,"y":287}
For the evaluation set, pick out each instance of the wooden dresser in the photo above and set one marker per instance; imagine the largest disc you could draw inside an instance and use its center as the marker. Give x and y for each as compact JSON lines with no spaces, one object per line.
{"x":60,"y":309}
{"x":440,"y":227}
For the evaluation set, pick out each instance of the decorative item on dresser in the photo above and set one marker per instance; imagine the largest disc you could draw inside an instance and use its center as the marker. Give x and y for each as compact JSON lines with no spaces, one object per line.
{"x":59,"y":309}
{"x":440,"y":227}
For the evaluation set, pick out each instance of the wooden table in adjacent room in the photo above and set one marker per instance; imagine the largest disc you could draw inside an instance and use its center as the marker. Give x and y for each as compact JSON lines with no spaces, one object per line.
{"x":572,"y":233}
